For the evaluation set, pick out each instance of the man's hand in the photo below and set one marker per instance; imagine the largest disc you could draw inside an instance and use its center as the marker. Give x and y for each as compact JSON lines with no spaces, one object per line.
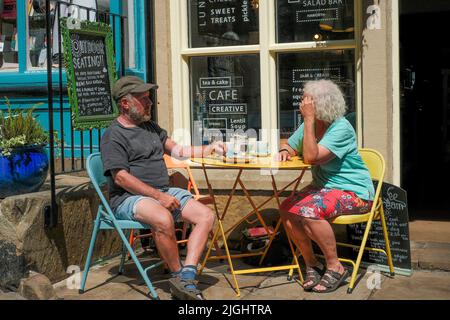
{"x":218,"y":147}
{"x":169,"y":202}
{"x":307,"y":108}
{"x":283,"y":156}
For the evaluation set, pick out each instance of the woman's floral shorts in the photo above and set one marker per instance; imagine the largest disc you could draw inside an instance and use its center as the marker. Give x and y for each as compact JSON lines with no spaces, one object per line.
{"x":323,"y":203}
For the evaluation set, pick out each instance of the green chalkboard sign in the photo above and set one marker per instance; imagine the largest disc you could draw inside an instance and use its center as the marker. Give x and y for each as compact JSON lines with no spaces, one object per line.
{"x":90,"y":66}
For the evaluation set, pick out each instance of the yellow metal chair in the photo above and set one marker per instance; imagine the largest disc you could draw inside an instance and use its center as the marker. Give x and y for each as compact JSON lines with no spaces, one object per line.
{"x":376,"y":165}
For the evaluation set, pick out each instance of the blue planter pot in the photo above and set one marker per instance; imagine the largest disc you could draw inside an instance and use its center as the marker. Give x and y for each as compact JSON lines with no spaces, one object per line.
{"x":24,"y":171}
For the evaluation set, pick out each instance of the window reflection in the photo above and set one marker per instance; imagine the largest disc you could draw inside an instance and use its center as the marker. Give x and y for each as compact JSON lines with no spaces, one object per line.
{"x":314,"y":20}
{"x":9,"y":46}
{"x":129,"y":32}
{"x":294,"y":69}
{"x":223,"y":23}
{"x":37,"y":45}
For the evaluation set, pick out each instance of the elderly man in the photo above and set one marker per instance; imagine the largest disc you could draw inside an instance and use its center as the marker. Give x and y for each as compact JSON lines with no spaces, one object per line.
{"x":132,"y":151}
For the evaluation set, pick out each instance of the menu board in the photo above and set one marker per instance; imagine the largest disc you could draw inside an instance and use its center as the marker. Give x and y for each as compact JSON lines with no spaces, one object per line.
{"x":304,"y":20}
{"x":90,"y":73}
{"x":395,"y":207}
{"x":226,"y":93}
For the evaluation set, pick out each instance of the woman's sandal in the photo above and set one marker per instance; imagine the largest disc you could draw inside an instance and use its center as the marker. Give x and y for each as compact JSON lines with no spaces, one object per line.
{"x":313,"y":274}
{"x":331,"y":280}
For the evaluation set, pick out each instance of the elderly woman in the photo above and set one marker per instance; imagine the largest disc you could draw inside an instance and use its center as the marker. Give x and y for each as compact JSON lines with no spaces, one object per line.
{"x":341,"y":182}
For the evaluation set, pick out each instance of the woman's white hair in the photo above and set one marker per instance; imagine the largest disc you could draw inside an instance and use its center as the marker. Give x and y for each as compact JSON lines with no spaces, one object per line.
{"x":328,"y":99}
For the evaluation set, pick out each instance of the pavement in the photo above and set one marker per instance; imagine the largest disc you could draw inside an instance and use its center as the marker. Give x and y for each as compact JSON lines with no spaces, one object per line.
{"x":216,"y":283}
{"x":430,"y":279}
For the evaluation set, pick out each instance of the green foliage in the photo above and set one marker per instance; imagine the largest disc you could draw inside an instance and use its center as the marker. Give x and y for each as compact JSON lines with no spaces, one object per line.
{"x":20,"y":128}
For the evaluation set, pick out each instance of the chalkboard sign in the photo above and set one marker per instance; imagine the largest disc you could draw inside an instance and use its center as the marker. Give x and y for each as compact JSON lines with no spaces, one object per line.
{"x":397,"y":220}
{"x":89,"y":59}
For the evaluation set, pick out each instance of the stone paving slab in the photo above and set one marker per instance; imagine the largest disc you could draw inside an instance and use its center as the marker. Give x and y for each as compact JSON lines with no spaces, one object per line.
{"x":422,"y":285}
{"x":215,"y":282}
{"x":5,"y":296}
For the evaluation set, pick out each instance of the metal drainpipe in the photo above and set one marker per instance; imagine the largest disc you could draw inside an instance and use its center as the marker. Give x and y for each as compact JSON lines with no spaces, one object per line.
{"x":50,"y":212}
{"x":149,"y":7}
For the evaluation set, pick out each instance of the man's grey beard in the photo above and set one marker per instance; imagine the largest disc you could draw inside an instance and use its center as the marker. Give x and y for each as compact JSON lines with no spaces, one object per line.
{"x":136,"y":117}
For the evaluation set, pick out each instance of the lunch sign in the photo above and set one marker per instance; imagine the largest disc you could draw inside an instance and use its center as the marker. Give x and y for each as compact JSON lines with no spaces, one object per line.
{"x":90,"y":66}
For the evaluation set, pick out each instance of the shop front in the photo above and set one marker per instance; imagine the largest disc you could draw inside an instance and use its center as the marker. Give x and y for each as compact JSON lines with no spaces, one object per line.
{"x":241,"y":66}
{"x":23,"y":59}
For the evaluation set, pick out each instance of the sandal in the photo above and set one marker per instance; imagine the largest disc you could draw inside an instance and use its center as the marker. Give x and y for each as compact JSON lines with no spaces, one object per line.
{"x":331,"y":280}
{"x":180,"y":290}
{"x":313,"y":274}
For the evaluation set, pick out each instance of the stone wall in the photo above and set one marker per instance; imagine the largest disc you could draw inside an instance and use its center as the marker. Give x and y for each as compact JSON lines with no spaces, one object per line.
{"x":25,"y":244}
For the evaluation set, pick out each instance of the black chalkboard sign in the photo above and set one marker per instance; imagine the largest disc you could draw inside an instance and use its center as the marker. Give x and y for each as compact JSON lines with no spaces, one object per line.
{"x":89,"y":57}
{"x":396,"y":212}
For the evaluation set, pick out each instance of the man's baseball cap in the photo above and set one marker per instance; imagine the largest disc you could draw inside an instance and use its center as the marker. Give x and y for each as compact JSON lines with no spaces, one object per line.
{"x":130,"y":84}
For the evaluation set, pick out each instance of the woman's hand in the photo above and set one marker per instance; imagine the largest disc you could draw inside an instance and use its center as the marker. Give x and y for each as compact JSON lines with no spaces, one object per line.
{"x":283,"y":156}
{"x":307,"y":108}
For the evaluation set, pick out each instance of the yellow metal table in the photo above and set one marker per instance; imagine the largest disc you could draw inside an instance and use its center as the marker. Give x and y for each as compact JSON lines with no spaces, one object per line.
{"x":254,"y":163}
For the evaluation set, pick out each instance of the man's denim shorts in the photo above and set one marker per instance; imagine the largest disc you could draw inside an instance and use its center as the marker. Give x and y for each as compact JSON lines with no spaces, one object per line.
{"x":127,"y":209}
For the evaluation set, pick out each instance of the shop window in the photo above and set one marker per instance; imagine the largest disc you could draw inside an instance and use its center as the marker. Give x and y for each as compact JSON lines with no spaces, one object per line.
{"x":37,"y":45}
{"x":129,"y":32}
{"x":294,"y":69}
{"x":225,"y":93}
{"x":289,"y":42}
{"x":9,"y":46}
{"x":314,"y":20}
{"x":223,"y":23}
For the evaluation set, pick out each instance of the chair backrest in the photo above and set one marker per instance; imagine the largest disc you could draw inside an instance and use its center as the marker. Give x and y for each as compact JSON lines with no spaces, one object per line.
{"x":94,"y":167}
{"x":172,"y":163}
{"x":376,"y":165}
{"x":374,"y":162}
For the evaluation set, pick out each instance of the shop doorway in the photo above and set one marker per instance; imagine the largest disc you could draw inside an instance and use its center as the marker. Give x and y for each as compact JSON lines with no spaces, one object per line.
{"x":425,"y":107}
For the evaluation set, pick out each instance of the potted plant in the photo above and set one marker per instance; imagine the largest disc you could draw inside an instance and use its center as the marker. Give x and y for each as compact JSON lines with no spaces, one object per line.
{"x":23,"y":159}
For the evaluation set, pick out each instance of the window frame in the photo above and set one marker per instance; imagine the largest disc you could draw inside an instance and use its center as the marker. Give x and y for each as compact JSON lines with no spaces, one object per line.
{"x":267,"y":49}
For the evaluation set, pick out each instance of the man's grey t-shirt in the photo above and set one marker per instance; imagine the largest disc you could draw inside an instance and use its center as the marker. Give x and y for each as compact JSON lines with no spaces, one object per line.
{"x":140,"y":151}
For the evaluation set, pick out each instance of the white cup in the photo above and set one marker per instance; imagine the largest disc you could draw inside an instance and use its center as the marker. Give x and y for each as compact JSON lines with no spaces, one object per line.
{"x":262,"y":148}
{"x":252,"y":145}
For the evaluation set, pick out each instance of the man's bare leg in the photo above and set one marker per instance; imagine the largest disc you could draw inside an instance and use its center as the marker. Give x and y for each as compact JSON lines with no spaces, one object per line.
{"x":203,"y":220}
{"x":163,"y":228}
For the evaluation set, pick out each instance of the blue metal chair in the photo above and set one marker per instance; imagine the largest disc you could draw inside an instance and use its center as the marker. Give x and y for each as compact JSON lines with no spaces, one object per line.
{"x":106,"y":220}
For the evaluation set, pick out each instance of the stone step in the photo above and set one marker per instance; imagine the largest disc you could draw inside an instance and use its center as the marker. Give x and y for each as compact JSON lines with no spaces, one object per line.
{"x":430,"y":255}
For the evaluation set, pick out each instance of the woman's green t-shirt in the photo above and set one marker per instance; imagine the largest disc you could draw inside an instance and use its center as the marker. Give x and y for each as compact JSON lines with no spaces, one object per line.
{"x":347,"y":171}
